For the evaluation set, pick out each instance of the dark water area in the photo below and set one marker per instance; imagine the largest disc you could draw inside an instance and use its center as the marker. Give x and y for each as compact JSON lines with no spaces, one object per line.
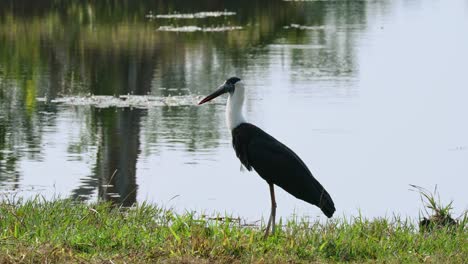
{"x":98,"y":101}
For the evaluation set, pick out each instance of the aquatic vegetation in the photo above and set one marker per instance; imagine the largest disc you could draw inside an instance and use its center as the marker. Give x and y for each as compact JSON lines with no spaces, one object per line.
{"x":334,"y":1}
{"x":296,"y":46}
{"x":192,"y":15}
{"x":196,"y":28}
{"x":297,"y":26}
{"x":136,"y":101}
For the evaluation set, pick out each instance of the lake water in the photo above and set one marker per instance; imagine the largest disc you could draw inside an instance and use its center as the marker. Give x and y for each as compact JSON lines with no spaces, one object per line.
{"x":97,"y":101}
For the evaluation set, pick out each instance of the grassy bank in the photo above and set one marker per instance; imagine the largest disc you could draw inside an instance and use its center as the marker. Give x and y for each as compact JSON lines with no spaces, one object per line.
{"x":67,"y":231}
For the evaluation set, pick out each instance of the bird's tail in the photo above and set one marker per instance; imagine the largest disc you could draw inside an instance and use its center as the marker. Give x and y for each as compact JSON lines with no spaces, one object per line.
{"x":326,"y":204}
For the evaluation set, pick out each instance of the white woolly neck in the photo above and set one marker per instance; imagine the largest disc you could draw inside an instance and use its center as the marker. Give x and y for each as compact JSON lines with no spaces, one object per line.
{"x":235,"y":102}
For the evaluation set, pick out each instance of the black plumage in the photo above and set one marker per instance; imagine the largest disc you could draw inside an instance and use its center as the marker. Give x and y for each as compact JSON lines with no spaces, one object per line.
{"x":271,"y":159}
{"x":277,"y":164}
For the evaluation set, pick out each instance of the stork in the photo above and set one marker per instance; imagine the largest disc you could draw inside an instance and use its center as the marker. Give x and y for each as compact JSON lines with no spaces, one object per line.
{"x":272,"y":160}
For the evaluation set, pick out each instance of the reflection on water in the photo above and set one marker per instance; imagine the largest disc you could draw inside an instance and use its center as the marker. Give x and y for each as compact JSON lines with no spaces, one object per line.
{"x":97,"y":98}
{"x":114,"y":172}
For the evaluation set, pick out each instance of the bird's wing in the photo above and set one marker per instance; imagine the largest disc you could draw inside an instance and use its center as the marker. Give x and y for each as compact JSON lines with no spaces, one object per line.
{"x":278,"y":164}
{"x":241,"y":136}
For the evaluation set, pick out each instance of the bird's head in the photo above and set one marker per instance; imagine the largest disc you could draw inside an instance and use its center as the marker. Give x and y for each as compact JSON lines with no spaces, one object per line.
{"x":229,"y":86}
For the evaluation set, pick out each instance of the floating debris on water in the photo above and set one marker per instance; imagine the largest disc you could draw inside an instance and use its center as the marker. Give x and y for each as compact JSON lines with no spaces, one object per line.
{"x":137,"y":101}
{"x":297,"y":26}
{"x":306,"y":1}
{"x":195,"y":29}
{"x":192,"y":15}
{"x":113,"y":195}
{"x":295,"y":46}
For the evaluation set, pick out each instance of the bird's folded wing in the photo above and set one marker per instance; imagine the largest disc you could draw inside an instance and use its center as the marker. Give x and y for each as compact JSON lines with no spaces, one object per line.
{"x":278,"y":164}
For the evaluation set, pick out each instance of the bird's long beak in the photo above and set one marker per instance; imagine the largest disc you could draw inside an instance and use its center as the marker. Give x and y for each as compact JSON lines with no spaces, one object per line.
{"x":221,"y":90}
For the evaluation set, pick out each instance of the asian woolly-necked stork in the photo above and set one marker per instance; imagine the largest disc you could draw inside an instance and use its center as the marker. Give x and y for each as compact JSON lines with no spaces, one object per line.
{"x":271,"y":159}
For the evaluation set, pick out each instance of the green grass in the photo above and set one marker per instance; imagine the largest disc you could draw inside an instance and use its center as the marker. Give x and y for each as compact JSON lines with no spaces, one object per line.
{"x":68,"y":231}
{"x":440,"y":215}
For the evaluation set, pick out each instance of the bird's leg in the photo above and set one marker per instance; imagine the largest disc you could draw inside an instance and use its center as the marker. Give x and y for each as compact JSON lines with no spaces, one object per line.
{"x":273,"y":207}
{"x":271,"y":220}
{"x":268,"y":227}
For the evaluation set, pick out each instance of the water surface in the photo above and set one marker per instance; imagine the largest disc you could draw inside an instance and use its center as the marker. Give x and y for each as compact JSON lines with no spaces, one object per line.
{"x":98,"y":101}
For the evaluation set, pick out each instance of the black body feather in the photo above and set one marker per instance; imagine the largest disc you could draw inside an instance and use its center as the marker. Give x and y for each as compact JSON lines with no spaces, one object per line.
{"x":278,"y":164}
